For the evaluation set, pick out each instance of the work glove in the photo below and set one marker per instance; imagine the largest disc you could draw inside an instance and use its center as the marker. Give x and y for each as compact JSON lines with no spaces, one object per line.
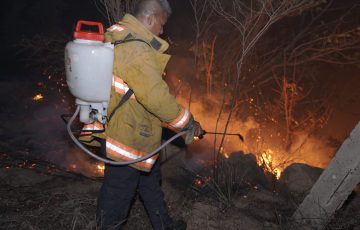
{"x":194,"y":130}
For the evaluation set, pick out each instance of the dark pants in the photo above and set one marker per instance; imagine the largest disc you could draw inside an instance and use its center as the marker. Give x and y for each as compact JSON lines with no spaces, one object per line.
{"x":118,"y":190}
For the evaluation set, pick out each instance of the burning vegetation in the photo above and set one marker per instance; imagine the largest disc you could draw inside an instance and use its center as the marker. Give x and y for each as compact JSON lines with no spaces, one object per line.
{"x":265,"y":161}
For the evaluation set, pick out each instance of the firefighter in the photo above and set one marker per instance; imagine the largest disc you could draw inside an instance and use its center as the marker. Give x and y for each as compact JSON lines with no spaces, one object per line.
{"x":135,"y":128}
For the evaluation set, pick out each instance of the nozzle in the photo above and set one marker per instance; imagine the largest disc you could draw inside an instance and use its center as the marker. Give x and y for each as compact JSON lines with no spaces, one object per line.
{"x":203,"y":132}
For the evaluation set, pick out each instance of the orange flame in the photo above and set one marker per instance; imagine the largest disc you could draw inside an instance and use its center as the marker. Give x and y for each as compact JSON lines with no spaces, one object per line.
{"x":266,"y":161}
{"x":225,"y":154}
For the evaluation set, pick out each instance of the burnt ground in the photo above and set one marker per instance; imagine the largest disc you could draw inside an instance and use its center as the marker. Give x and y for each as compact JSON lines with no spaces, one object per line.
{"x":39,"y":196}
{"x":36,"y":195}
{"x":40,"y":190}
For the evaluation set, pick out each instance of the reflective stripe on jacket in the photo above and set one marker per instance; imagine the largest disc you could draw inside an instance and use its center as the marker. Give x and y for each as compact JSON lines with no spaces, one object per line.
{"x":135,"y":129}
{"x":92,"y":127}
{"x":120,"y":86}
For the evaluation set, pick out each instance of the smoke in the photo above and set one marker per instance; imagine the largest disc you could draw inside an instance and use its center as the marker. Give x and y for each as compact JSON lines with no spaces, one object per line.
{"x":262,"y":136}
{"x":311,"y":150}
{"x":49,"y":139}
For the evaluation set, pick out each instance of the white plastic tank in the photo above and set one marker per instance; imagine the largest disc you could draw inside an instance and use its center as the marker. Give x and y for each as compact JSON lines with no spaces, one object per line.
{"x":88,"y":64}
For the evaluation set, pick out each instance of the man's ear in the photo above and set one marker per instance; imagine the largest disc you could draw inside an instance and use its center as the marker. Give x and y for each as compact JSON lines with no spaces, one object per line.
{"x":150,"y":20}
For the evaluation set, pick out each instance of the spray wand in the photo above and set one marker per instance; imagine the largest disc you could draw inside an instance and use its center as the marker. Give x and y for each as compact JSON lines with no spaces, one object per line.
{"x":217,"y":133}
{"x":81,"y":146}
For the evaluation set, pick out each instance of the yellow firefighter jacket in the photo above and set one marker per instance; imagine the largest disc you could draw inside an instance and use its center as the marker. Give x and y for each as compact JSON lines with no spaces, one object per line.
{"x":135,"y":128}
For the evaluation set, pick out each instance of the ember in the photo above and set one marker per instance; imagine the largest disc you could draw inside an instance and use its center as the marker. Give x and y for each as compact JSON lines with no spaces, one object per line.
{"x":201,"y":182}
{"x":100,"y":168}
{"x":38,"y":97}
{"x":198,"y":182}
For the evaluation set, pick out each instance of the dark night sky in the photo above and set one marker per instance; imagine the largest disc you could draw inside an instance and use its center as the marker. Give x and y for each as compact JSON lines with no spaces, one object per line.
{"x":26,"y":18}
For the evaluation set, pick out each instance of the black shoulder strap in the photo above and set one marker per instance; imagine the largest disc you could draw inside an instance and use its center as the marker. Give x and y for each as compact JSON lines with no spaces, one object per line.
{"x":128,"y":38}
{"x":118,"y":42}
{"x":122,"y":101}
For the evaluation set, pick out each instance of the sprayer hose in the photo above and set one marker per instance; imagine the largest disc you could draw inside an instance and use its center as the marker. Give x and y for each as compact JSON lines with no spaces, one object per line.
{"x":81,"y":146}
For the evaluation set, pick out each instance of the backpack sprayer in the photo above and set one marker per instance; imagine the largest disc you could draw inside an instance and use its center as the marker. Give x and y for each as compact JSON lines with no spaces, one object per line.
{"x":88,"y":67}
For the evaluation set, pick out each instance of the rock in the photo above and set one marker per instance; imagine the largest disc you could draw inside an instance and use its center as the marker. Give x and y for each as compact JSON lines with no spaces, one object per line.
{"x":247,"y":170}
{"x":299,"y":178}
{"x":19,"y":177}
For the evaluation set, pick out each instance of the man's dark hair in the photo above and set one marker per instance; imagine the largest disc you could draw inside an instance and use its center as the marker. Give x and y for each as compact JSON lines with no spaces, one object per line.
{"x":146,"y":7}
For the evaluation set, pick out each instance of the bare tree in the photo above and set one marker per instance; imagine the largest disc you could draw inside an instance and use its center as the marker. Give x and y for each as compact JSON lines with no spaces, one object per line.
{"x":316,"y":41}
{"x":291,"y":63}
{"x":252,"y":19}
{"x":114,"y":10}
{"x":264,"y":58}
{"x":202,"y":13}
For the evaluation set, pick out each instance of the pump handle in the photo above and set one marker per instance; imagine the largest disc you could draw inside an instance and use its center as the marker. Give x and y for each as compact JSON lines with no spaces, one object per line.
{"x":89,"y":23}
{"x":89,"y":35}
